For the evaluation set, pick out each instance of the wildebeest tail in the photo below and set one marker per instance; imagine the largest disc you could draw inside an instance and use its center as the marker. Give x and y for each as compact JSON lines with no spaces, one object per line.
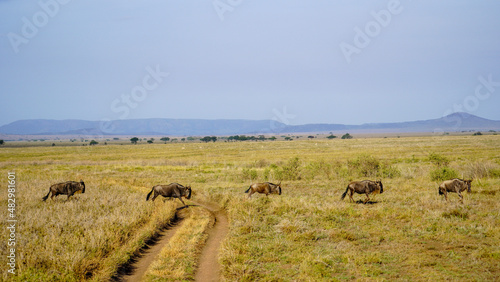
{"x":248,"y":189}
{"x":46,"y":197}
{"x":345,"y":193}
{"x":149,"y":194}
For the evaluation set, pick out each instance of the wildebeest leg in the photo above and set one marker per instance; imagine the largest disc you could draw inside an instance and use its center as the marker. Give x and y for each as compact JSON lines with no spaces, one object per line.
{"x":461,"y":197}
{"x":446,"y":195}
{"x":250,"y":193}
{"x":351,"y":192}
{"x":154,"y":196}
{"x":182,"y":201}
{"x":367,"y":199}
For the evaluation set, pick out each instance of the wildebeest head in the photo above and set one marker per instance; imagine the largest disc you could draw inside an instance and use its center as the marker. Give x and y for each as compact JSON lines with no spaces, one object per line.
{"x":275,"y":188}
{"x":188,"y":189}
{"x":83,"y":185}
{"x":380,"y":186}
{"x":468,"y":183}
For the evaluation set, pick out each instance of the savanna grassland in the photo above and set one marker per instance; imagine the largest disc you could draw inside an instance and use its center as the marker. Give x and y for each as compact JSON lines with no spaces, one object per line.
{"x":308,"y":234}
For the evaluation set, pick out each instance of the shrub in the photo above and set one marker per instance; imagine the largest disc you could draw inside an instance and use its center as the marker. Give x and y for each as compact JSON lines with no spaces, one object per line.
{"x":481,"y":169}
{"x":438,"y":159}
{"x":346,"y":136}
{"x":368,"y":166}
{"x":443,"y":173}
{"x":290,"y":171}
{"x":250,"y":174}
{"x":494,"y":173}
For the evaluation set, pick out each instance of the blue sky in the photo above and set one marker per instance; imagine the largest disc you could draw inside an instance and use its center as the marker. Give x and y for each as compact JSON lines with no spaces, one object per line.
{"x":293,"y":61}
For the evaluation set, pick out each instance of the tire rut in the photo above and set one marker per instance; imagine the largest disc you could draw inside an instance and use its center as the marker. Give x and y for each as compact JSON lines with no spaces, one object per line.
{"x":208,"y":265}
{"x":135,"y":269}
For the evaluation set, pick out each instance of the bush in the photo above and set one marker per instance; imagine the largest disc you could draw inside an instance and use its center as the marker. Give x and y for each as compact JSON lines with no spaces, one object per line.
{"x":346,"y":136}
{"x":438,"y":159}
{"x":290,"y":171}
{"x":481,"y":169}
{"x":443,"y":173}
{"x":250,"y":174}
{"x":368,"y":166}
{"x":494,"y":173}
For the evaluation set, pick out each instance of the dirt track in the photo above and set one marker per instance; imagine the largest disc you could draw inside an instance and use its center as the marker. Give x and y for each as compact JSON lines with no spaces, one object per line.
{"x":208,"y":265}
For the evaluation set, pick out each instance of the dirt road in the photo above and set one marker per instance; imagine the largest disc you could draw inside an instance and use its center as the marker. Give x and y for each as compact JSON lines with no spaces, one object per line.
{"x":208,"y":265}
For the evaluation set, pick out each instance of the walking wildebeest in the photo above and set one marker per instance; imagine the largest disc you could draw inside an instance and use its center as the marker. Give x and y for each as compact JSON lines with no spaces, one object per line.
{"x":455,"y":185}
{"x":65,"y":188}
{"x":171,"y":190}
{"x":264,"y":188}
{"x":363,"y":187}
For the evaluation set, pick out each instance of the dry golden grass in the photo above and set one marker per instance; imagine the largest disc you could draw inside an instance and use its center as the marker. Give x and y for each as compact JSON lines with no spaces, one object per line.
{"x":406,"y":233}
{"x":177,"y":261}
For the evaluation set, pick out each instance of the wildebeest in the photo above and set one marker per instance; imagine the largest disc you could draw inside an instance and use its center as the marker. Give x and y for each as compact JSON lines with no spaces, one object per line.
{"x":174,"y":190}
{"x":454,"y":185}
{"x":363,"y":187}
{"x":65,"y":188}
{"x":264,"y":188}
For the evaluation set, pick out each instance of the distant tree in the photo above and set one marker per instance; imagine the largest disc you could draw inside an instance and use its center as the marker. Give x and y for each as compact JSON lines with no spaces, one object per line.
{"x":477,"y":133}
{"x":190,"y":138}
{"x":183,"y":139}
{"x":262,"y":138}
{"x":347,"y":136}
{"x":331,"y":136}
{"x":53,"y":144}
{"x":2,"y":142}
{"x":288,"y":138}
{"x":134,"y":140}
{"x":206,"y":139}
{"x":311,"y":137}
{"x":213,"y":138}
{"x":116,"y":139}
{"x":93,"y":142}
{"x":150,"y":141}
{"x":165,"y":139}
{"x":272,"y":138}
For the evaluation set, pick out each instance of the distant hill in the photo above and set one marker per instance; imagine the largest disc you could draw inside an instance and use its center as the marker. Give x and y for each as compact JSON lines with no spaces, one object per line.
{"x":450,"y":123}
{"x":197,"y":127}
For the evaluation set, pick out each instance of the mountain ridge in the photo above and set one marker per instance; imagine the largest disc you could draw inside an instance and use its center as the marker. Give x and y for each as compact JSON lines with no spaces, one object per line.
{"x":185,"y":127}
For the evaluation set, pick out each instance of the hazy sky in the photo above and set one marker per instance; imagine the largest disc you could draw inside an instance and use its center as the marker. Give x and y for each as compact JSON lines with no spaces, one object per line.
{"x":293,"y":61}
